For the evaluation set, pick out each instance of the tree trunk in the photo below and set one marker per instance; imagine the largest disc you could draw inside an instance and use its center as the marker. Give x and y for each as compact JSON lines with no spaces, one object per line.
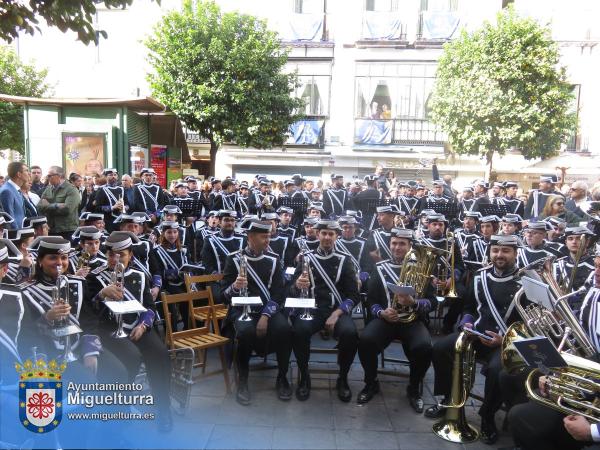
{"x":489,"y":157}
{"x":213,"y":157}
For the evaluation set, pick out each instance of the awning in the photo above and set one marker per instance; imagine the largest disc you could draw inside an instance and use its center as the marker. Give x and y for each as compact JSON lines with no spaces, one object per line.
{"x":141,"y":104}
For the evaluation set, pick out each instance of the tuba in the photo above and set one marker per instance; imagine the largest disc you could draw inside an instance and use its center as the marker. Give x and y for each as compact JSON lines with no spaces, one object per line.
{"x":417,"y":266}
{"x":118,"y":278}
{"x":454,"y":426}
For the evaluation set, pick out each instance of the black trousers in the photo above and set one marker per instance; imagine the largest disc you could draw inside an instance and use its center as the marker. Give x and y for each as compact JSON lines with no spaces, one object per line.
{"x":344,"y":330}
{"x":512,"y":387}
{"x":153,"y":352}
{"x":278,"y":339}
{"x":536,"y":427}
{"x":416,"y":342}
{"x":455,"y":308}
{"x":443,"y":359}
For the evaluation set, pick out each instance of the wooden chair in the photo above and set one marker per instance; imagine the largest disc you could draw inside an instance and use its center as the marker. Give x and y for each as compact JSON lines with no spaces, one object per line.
{"x":220,"y":311}
{"x":200,"y":339}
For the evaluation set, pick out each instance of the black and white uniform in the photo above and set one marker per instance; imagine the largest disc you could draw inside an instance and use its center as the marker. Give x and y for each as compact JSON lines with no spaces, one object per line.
{"x":216,"y":248}
{"x":513,"y":205}
{"x":257,"y":200}
{"x":265,"y":280}
{"x":563,"y":268}
{"x":99,"y":259}
{"x":280,"y":244}
{"x":491,"y":308}
{"x":150,"y":348}
{"x":201,"y":237}
{"x":536,"y":202}
{"x":333,"y":286}
{"x":335,"y":201}
{"x":379,"y":239}
{"x":379,"y":333}
{"x":528,"y":255}
{"x":105,"y":199}
{"x":356,"y":248}
{"x":223,"y":200}
{"x":149,"y":198}
{"x":408,"y":205}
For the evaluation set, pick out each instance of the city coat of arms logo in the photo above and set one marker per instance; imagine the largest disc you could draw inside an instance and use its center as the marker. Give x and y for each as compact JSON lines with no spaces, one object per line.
{"x":40,"y":395}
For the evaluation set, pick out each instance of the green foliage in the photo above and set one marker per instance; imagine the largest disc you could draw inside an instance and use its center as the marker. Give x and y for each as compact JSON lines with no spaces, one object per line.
{"x":502,"y":87}
{"x":17,"y":16}
{"x":221,"y":73}
{"x":17,"y":78}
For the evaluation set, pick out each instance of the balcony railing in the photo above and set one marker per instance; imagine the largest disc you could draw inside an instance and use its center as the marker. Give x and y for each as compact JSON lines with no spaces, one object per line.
{"x":193,"y":137}
{"x":397,"y":131}
{"x":381,"y":29}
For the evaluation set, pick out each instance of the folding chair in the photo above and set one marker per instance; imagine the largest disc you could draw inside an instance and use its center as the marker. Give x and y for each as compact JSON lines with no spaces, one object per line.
{"x":193,"y":282}
{"x":197,"y":338}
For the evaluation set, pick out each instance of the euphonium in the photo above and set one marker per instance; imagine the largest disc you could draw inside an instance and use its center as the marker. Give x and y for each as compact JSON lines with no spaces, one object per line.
{"x":417,"y":266}
{"x":62,"y":329}
{"x":118,"y":279}
{"x":243,"y":272}
{"x":454,"y":426}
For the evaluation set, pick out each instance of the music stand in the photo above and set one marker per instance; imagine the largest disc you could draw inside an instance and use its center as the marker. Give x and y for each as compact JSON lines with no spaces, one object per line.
{"x":190,"y":207}
{"x":494,"y":210}
{"x":449,"y":209}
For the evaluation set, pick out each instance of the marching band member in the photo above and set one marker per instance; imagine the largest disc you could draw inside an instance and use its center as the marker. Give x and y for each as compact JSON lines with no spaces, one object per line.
{"x":489,"y":311}
{"x":537,"y":427}
{"x":219,"y":245}
{"x":285,"y":219}
{"x":366,"y":202}
{"x":227,"y":198}
{"x":143,"y":343}
{"x":110,"y":199}
{"x":148,"y":197}
{"x":332,"y":280}
{"x":511,"y":224}
{"x":38,"y":223}
{"x":467,"y":202}
{"x":212,"y":227}
{"x":94,"y":360}
{"x":355,"y":246}
{"x":407,"y":202}
{"x":309,"y":241}
{"x":335,"y":199}
{"x":477,"y":249}
{"x":435,"y":197}
{"x":279,"y":244}
{"x":269,"y":329}
{"x":89,"y":244}
{"x":141,"y":249}
{"x":510,"y":200}
{"x":388,"y":324}
{"x":262,"y":200}
{"x":535,"y":244}
{"x":378,"y":244}
{"x":538,"y":197}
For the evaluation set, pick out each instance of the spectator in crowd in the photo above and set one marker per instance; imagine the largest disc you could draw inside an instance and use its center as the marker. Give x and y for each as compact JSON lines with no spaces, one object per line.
{"x":37,"y":187}
{"x":555,"y":207}
{"x":577,"y":195}
{"x":127,"y":183}
{"x":31,"y":199}
{"x":11,"y":199}
{"x":60,"y":204}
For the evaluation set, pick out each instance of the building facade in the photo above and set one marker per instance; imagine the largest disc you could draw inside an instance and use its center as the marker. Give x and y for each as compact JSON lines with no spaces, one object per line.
{"x":367,"y":68}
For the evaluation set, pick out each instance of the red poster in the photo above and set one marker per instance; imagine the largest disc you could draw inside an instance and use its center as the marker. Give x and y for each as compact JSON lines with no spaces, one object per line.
{"x":158,"y":161}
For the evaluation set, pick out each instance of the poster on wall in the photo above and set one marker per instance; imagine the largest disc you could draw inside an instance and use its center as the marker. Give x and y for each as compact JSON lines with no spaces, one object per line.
{"x":158,"y":161}
{"x":174,"y":164}
{"x":138,"y":158}
{"x":84,"y":153}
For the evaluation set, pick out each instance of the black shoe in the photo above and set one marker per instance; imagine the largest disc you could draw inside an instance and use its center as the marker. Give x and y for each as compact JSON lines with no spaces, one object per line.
{"x":415,"y":400}
{"x":165,"y":421}
{"x":489,"y":432}
{"x":435,"y":412}
{"x":284,"y":390}
{"x":368,"y":392}
{"x":243,"y":394}
{"x":303,"y":388}
{"x":343,"y":390}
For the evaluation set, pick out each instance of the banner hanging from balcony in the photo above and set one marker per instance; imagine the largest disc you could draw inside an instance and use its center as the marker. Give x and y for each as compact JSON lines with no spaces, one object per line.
{"x":305,"y":132}
{"x":382,"y":26}
{"x":303,"y":27}
{"x":373,"y":131}
{"x":439,"y":24}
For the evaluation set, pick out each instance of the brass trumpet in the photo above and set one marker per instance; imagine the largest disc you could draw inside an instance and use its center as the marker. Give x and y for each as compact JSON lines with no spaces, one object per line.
{"x":118,"y":279}
{"x":306,"y":271}
{"x":84,"y":260}
{"x":243,"y":272}
{"x":63,"y":328}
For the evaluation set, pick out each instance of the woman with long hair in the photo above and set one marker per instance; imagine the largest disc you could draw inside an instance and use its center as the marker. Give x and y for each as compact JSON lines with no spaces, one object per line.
{"x":555,"y":207}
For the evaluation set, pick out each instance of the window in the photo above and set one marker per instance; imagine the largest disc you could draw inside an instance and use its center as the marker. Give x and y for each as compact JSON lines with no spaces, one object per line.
{"x":574,"y":142}
{"x":309,"y":6}
{"x":381,"y":5}
{"x":315,"y":82}
{"x":390,"y":91}
{"x":439,"y":5}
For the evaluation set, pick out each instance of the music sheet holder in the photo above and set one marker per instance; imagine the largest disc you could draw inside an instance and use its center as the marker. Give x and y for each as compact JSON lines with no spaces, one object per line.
{"x":190,"y":207}
{"x":494,"y":210}
{"x":538,"y":292}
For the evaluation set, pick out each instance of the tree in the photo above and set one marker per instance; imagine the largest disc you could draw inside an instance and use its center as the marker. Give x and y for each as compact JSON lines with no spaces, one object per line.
{"x":221,"y":73}
{"x":17,"y":78}
{"x":502,"y":87}
{"x":78,"y":16}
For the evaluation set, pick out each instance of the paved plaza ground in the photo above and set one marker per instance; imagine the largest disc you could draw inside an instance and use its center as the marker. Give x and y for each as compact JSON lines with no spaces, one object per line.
{"x":322,"y":422}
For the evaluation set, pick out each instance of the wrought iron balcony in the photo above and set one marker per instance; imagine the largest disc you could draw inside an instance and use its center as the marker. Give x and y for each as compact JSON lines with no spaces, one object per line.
{"x":399,"y":131}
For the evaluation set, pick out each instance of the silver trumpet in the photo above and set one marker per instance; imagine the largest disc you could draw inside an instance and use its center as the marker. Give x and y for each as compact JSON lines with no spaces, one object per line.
{"x":118,"y":279}
{"x":63,"y":328}
{"x":245,"y":317}
{"x":306,"y":271}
